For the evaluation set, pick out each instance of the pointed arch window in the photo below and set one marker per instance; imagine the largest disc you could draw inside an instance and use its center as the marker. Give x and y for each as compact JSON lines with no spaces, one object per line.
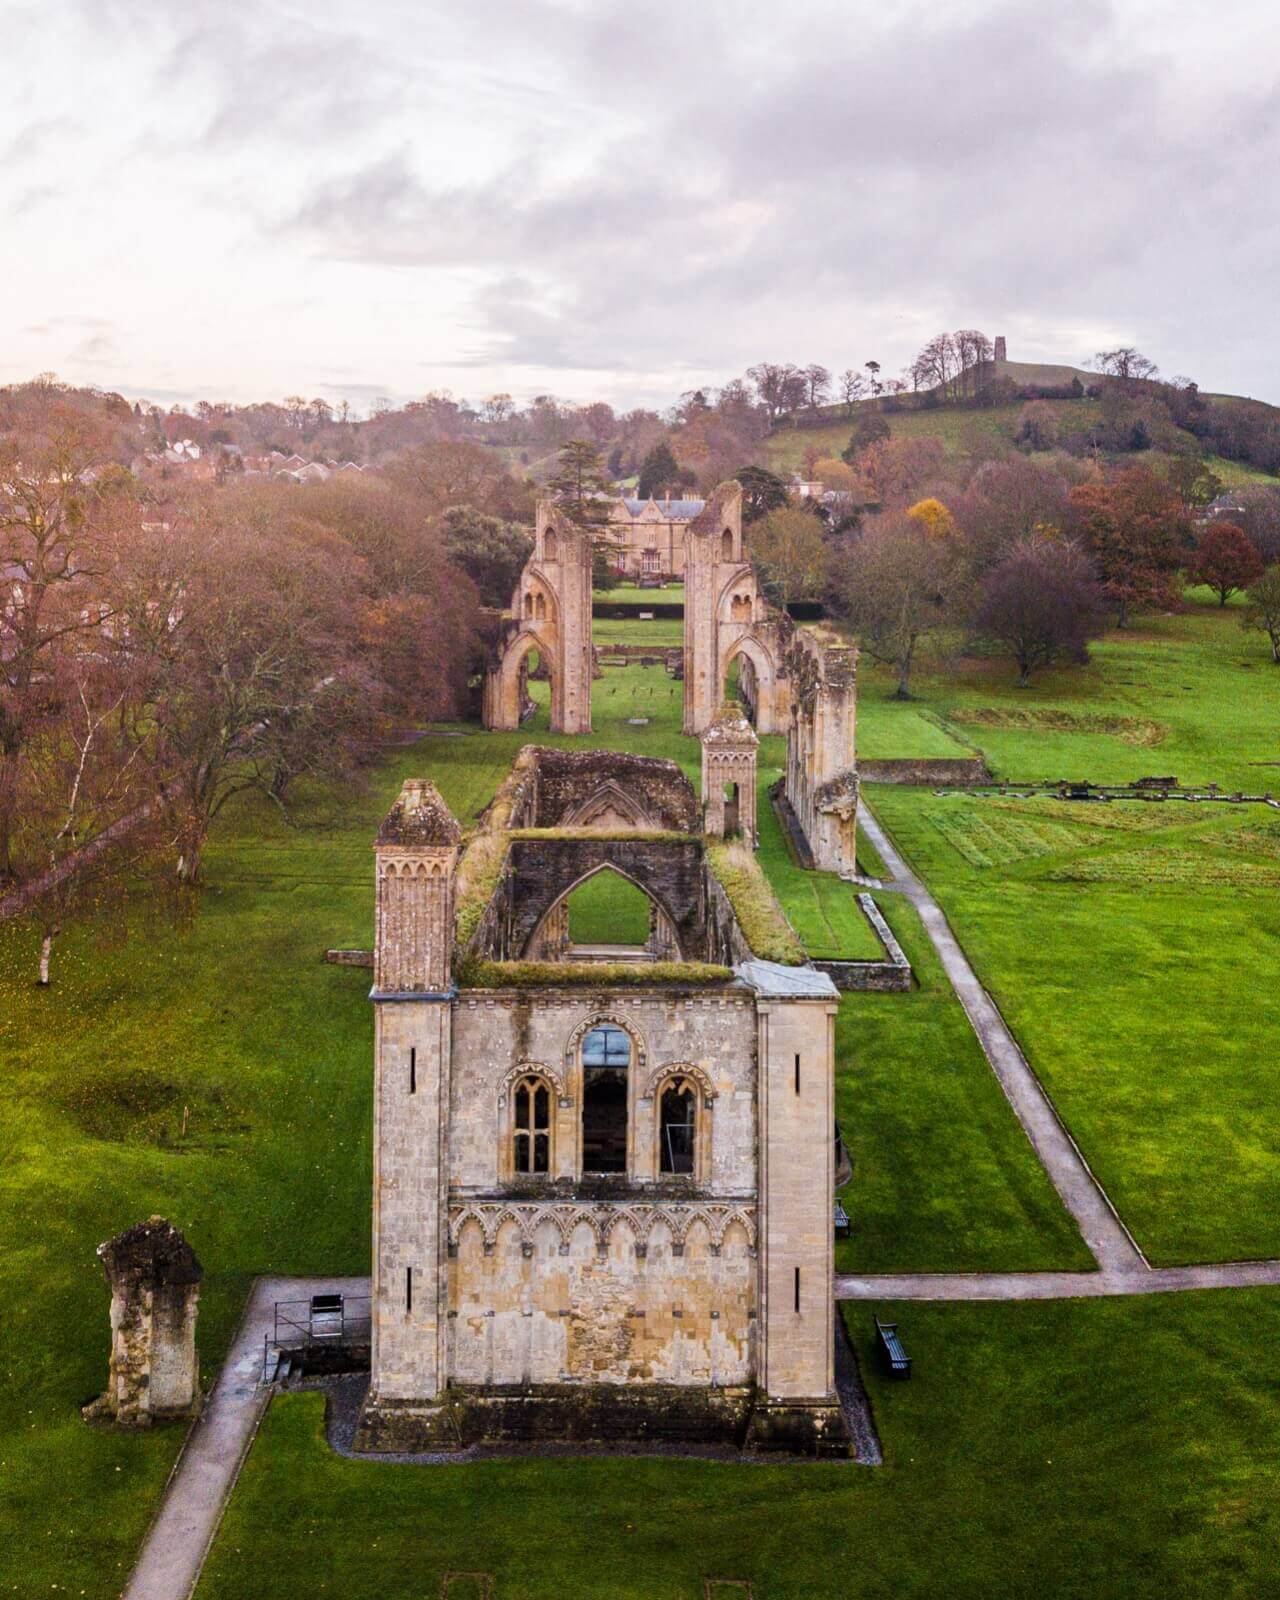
{"x":678,"y":1128}
{"x":531,"y":1105}
{"x":606,"y":1066}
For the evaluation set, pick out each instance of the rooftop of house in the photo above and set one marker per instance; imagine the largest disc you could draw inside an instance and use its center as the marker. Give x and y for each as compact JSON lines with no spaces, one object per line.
{"x":669,"y":510}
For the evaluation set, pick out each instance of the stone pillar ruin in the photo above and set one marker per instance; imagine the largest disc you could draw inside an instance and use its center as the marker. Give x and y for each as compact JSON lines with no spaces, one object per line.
{"x":822,"y":775}
{"x":154,"y":1374}
{"x":416,"y":854}
{"x":551,"y":613}
{"x":726,"y":616}
{"x":729,"y":749}
{"x":1000,"y":348}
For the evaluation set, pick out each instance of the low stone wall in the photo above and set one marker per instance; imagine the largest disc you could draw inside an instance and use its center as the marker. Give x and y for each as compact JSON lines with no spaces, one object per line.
{"x":890,"y":976}
{"x":929,"y":774}
{"x":349,"y":958}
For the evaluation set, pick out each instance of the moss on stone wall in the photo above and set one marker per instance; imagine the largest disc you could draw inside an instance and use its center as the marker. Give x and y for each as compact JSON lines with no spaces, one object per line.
{"x":479,"y":873}
{"x":761,"y":918}
{"x":477,"y":974}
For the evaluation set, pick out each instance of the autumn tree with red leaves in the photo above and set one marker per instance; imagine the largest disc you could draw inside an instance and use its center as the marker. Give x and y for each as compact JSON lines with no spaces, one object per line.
{"x":1136,"y":529}
{"x":1225,"y":560}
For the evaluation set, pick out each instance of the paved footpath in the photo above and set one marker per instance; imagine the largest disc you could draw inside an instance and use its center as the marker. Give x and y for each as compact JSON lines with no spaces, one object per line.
{"x":179,"y":1538}
{"x":1107,"y":1237}
{"x":1055,"y":1285}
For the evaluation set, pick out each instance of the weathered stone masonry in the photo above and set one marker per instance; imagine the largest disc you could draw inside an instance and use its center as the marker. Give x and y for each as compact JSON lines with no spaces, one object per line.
{"x":681,"y":1290}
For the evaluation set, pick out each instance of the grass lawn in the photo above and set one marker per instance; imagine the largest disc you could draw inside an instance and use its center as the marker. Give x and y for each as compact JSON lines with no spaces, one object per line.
{"x":1135,"y":950}
{"x":662,"y":632}
{"x":632,"y":595}
{"x":820,"y":906}
{"x":1082,"y":1450}
{"x":944,"y":1179}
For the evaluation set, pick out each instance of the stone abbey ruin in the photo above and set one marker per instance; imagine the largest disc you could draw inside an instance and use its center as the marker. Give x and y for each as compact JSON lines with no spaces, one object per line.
{"x":603,"y":1189}
{"x":604,"y":1177}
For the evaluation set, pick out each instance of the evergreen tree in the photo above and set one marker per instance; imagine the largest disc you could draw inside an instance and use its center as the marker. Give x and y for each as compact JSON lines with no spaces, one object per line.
{"x":580,"y":484}
{"x":658,"y":471}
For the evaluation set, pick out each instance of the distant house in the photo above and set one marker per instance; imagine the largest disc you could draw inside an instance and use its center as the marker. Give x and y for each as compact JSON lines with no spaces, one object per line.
{"x":649,"y":536}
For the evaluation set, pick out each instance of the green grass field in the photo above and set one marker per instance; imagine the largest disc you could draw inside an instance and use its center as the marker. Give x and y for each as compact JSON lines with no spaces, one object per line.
{"x":1134,"y":949}
{"x":1084,"y":1450}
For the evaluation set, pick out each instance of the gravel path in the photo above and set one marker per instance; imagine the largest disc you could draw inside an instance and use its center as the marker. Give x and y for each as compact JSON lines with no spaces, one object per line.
{"x":1107,"y":1237}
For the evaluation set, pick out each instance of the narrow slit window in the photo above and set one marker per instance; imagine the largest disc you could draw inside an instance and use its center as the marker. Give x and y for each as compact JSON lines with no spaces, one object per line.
{"x":408,"y":1289}
{"x":413,"y":1069}
{"x":797,"y":1288}
{"x":797,"y":1074}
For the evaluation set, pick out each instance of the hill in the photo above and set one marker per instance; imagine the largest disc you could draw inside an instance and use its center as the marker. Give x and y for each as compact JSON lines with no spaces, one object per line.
{"x":964,"y":431}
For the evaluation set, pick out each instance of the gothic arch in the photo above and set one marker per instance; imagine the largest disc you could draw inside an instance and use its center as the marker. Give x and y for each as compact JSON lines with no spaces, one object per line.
{"x":678,"y":1069}
{"x":603,"y":866}
{"x":532,"y":1069}
{"x":609,"y":794}
{"x":506,"y":677}
{"x":766,"y":670}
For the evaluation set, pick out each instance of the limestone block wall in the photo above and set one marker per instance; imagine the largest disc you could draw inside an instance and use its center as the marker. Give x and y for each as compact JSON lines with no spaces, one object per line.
{"x":821,"y":774}
{"x":499,"y":1034}
{"x":592,"y":1293}
{"x":796,"y":1054}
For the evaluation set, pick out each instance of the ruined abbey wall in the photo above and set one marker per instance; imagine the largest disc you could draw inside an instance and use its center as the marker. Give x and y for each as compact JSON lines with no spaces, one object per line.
{"x":822,"y":774}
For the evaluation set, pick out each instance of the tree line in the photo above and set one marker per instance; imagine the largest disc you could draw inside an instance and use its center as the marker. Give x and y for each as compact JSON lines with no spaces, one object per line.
{"x":166,"y":647}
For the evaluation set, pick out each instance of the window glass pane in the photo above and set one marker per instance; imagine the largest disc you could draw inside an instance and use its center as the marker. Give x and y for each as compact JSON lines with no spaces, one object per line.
{"x":540,"y":1107}
{"x":541,"y":1152}
{"x":522,"y":1152}
{"x":606,"y":1047}
{"x":522,"y":1106}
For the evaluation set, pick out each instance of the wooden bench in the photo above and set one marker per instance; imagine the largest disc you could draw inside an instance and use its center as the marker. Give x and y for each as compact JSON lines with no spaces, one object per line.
{"x":891,"y":1350}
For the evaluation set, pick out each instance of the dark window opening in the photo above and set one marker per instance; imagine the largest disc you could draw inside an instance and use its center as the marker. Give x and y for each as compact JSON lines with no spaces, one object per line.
{"x":732,"y":808}
{"x":797,"y":1074}
{"x":413,"y":1070}
{"x":408,"y":1288}
{"x":606,"y":1057}
{"x":726,"y":546}
{"x":797,"y":1288}
{"x":677,"y":1131}
{"x":531,"y":1131}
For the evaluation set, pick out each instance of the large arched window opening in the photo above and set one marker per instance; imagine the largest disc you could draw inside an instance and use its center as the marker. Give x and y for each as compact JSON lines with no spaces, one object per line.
{"x":531,"y":1127}
{"x":678,"y":1128}
{"x":606,"y":1064}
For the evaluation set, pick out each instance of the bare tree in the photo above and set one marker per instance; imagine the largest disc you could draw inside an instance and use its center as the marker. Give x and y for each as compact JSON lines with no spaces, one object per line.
{"x":817,"y":385}
{"x":1042,"y":602}
{"x":780,"y":386}
{"x":1263,"y":609}
{"x":895,"y":584}
{"x":852,"y":388}
{"x":1126,"y":364}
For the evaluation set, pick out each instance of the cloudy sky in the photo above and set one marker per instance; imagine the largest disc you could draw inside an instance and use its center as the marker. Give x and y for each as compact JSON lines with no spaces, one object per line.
{"x":617,"y":200}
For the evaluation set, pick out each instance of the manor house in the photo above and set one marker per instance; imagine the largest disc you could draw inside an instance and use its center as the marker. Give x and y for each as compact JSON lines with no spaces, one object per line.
{"x":603,"y":1179}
